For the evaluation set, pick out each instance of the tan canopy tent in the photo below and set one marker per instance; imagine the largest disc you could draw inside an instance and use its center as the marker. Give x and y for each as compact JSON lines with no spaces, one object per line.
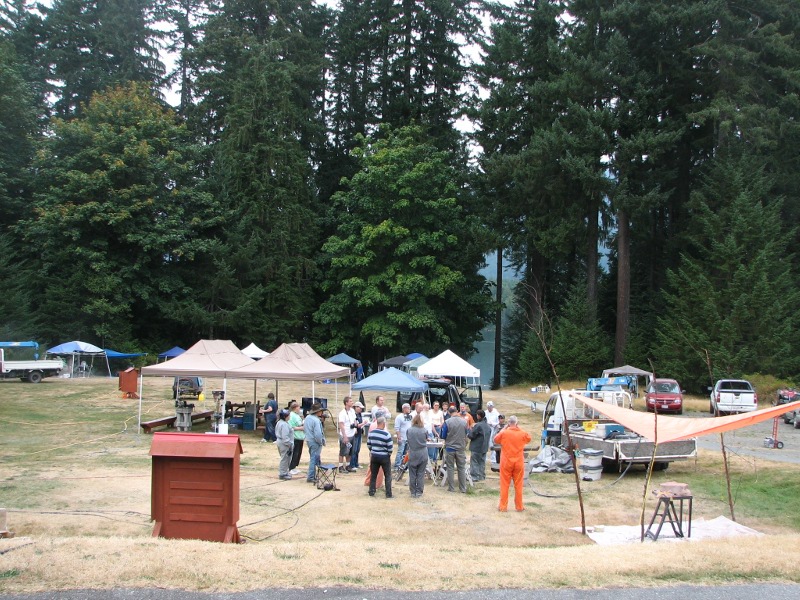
{"x":207,"y":358}
{"x":291,"y":362}
{"x":680,"y":428}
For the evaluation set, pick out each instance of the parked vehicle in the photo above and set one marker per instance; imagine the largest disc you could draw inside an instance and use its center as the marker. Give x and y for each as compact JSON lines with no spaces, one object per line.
{"x":29,"y":370}
{"x":664,"y":395}
{"x":445,"y":392}
{"x":785,"y":396}
{"x":731,"y":396}
{"x":589,"y":429}
{"x":187,"y":387}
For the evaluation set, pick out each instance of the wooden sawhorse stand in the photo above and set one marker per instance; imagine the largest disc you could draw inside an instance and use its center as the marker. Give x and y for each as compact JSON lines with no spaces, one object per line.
{"x":667,"y":511}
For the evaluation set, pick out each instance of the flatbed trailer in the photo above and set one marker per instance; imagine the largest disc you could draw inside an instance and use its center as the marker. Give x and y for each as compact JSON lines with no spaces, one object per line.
{"x":29,"y":370}
{"x":590,"y":430}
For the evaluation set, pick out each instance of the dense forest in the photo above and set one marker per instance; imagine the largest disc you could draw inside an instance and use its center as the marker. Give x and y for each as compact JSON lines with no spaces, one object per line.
{"x":296,"y":171}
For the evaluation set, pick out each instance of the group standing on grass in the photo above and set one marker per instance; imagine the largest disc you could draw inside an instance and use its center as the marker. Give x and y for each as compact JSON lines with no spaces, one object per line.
{"x":412,"y":434}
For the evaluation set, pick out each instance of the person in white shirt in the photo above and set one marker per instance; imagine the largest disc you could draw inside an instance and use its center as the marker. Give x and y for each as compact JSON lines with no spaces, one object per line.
{"x":492,"y":420}
{"x":347,"y":427}
{"x":380,"y":402}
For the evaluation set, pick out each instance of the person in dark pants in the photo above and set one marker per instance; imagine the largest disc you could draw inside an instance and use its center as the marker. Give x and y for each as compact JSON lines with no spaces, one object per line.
{"x":296,"y":423}
{"x":270,"y":411}
{"x":478,"y":446}
{"x":380,"y":447}
{"x":417,"y":456}
{"x":357,"y":436}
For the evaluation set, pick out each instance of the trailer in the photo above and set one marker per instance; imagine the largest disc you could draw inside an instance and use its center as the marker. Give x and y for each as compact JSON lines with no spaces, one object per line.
{"x":590,"y":430}
{"x":28,"y":370}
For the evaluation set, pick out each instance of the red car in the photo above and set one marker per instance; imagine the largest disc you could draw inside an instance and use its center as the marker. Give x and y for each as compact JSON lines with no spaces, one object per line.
{"x":666,"y":394}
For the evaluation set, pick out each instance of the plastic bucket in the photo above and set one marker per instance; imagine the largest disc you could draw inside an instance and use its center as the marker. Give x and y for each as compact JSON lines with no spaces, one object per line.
{"x":591,"y":458}
{"x":591,"y":473}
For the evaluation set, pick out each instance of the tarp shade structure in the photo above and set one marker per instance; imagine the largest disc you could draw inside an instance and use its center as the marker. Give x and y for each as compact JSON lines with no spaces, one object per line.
{"x":391,"y":380}
{"x":595,"y":383}
{"x":344,"y":359}
{"x":76,"y":348}
{"x":115,"y":354}
{"x":254,"y":352}
{"x":395,"y":361}
{"x":207,"y":358}
{"x":291,"y":362}
{"x":681,"y":428}
{"x":627,"y":370}
{"x":172,"y":352}
{"x":448,"y":363}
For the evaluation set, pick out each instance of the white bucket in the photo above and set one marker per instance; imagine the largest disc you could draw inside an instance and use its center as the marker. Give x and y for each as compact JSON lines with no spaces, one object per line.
{"x":591,"y":458}
{"x":591,"y":473}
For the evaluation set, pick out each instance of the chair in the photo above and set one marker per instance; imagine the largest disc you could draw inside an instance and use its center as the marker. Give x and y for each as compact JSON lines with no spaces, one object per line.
{"x":326,"y":475}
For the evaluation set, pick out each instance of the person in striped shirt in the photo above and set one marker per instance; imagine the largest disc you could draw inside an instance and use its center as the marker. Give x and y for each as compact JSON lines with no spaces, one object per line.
{"x":379,"y":442}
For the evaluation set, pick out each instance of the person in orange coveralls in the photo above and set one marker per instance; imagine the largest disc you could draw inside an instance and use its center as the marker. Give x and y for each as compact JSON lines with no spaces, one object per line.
{"x":512,"y":441}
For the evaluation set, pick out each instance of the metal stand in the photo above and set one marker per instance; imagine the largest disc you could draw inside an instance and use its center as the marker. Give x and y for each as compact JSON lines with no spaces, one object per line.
{"x":666,"y":510}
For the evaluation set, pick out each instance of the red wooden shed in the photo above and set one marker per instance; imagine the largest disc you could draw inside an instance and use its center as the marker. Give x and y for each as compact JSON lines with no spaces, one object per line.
{"x":195,"y":487}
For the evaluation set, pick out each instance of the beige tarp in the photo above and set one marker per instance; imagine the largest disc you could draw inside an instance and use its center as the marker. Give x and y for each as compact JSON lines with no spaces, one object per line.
{"x":681,"y":428}
{"x":291,"y":362}
{"x":207,"y":358}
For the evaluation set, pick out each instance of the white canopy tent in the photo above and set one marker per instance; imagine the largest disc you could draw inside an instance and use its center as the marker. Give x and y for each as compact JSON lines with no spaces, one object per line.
{"x":449,"y":364}
{"x":254,"y":352}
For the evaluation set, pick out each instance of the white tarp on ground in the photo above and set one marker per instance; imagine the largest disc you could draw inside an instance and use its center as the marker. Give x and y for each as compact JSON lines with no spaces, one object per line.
{"x":448,"y":363}
{"x":721,"y":527}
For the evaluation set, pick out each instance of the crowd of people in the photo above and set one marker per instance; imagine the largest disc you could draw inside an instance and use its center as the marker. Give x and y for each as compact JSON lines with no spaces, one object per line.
{"x":428,"y":432}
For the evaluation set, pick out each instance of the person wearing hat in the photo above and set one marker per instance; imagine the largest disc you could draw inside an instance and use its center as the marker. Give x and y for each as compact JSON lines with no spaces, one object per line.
{"x":315,"y":439}
{"x":357,"y":436}
{"x":285,"y":442}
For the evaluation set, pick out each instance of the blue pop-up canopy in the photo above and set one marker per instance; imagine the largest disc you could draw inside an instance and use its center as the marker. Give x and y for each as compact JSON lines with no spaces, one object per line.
{"x":344,"y":359}
{"x":172,"y":352}
{"x":391,"y":380}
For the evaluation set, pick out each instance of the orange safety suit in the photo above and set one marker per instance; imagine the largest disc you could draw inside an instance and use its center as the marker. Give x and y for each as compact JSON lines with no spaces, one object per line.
{"x":512,"y":441}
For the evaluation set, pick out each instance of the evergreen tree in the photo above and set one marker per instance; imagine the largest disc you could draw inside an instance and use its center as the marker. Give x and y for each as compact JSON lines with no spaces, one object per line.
{"x":260,"y":84}
{"x":732,"y":299}
{"x":95,"y":44}
{"x":401,"y":271}
{"x":117,"y":221}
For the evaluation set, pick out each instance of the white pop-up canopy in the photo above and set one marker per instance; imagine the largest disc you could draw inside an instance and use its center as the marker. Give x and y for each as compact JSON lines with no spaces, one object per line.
{"x":448,"y":364}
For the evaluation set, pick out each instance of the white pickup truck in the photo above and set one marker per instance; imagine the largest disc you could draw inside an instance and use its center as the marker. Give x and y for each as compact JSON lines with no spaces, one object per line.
{"x":733,"y":396}
{"x":29,"y":370}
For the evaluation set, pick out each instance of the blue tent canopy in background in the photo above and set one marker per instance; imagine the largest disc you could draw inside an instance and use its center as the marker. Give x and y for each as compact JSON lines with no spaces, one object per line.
{"x":391,"y":380}
{"x":415,"y":355}
{"x":344,"y":359}
{"x":115,"y":354}
{"x":172,"y":352}
{"x":75,"y":348}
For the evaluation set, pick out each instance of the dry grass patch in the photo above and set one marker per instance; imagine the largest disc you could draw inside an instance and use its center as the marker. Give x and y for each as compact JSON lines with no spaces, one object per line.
{"x":80,"y":493}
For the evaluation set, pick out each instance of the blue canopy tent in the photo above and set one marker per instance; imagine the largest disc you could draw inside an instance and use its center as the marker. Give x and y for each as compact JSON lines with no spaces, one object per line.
{"x":172,"y":353}
{"x":79,"y":349}
{"x":346,"y":360}
{"x":391,"y":380}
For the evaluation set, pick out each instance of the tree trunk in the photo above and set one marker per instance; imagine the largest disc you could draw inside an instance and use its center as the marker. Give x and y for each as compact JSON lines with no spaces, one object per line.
{"x":623,"y":286}
{"x":592,"y":235}
{"x":498,"y":324}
